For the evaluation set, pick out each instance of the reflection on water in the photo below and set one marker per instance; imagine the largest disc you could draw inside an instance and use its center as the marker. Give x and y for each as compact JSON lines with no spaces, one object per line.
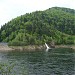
{"x":55,"y":62}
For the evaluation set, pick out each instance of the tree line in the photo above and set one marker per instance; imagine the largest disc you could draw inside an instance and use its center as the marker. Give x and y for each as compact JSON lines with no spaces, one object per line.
{"x":54,"y":24}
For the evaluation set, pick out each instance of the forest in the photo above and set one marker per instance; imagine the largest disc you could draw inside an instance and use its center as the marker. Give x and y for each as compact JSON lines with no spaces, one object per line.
{"x":55,"y":24}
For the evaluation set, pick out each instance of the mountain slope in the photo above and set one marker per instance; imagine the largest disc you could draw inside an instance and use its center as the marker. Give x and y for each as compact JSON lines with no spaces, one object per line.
{"x":54,"y":24}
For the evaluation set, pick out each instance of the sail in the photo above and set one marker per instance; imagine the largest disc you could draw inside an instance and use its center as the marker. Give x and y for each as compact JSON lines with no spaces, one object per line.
{"x":47,"y":47}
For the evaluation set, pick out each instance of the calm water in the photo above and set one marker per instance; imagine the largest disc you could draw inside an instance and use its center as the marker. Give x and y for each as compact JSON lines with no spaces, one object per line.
{"x":54,"y":62}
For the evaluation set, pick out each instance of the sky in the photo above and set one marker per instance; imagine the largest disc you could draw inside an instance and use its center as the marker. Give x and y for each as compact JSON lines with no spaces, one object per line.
{"x":10,"y":9}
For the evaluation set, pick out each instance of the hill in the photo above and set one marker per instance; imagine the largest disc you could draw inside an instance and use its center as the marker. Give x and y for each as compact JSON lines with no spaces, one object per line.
{"x":54,"y":24}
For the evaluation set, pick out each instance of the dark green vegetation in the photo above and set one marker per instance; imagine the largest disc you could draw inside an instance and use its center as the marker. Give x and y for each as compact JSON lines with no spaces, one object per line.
{"x":54,"y":24}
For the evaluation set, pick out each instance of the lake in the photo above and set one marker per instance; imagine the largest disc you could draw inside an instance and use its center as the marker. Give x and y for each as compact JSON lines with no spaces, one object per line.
{"x":60,"y":61}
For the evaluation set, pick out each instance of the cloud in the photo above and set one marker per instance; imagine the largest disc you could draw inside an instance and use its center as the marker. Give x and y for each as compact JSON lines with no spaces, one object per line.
{"x":12,"y":8}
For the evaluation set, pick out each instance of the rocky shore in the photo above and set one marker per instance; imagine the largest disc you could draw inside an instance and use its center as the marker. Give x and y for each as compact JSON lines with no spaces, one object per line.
{"x":29,"y":48}
{"x":5,"y":47}
{"x":65,"y":46}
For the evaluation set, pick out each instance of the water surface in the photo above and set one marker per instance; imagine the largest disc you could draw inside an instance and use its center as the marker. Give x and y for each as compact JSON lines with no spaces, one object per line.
{"x":55,"y":62}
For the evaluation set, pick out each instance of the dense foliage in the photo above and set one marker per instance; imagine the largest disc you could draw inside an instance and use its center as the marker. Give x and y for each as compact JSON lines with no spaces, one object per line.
{"x":54,"y":24}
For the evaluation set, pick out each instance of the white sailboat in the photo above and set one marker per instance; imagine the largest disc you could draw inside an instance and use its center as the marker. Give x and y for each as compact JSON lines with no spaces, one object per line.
{"x":47,"y":47}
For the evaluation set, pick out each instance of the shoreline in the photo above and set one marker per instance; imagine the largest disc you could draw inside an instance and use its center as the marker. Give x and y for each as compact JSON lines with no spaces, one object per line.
{"x":65,"y":46}
{"x":29,"y":48}
{"x":5,"y":47}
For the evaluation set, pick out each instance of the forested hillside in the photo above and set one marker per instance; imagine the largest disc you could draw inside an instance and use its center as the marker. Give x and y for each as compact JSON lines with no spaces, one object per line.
{"x":54,"y":24}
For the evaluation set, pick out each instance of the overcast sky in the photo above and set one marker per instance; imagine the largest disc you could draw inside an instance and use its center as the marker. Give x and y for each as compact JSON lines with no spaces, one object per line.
{"x":10,"y":9}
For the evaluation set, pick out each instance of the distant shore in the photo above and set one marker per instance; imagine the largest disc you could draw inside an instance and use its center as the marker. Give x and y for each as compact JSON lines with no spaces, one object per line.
{"x":5,"y":47}
{"x":65,"y":46}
